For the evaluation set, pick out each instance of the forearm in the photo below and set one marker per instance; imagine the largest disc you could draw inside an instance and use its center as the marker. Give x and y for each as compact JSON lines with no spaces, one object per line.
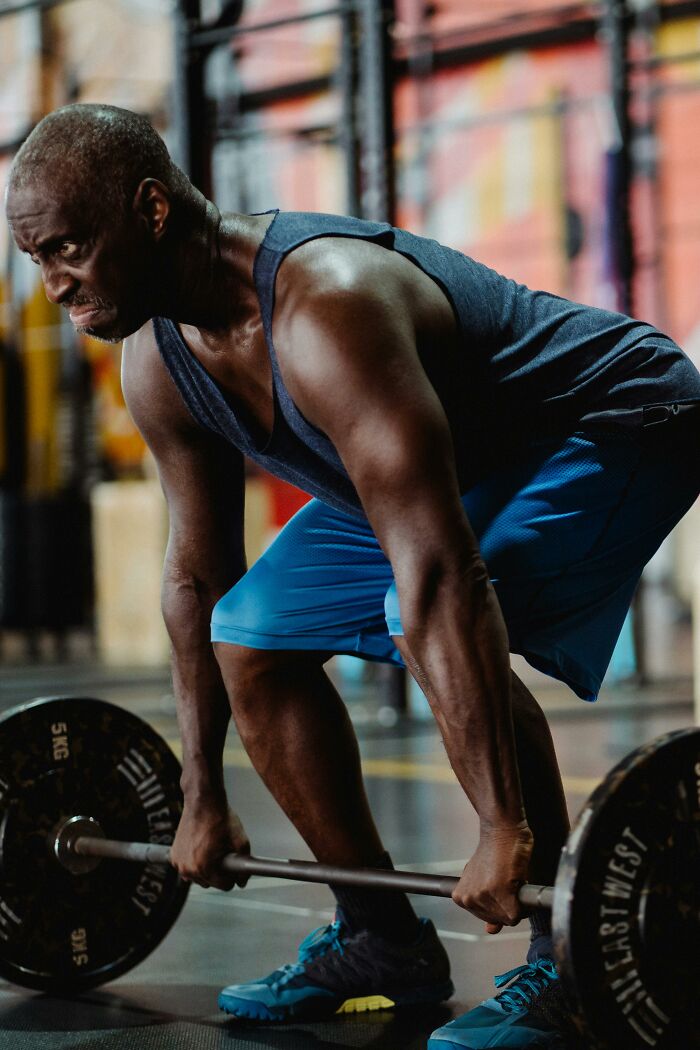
{"x":203,"y":709}
{"x":457,"y":649}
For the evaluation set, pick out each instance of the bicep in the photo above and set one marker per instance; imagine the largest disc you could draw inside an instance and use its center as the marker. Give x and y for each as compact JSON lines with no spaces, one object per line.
{"x":400,"y":458}
{"x":367,"y":390}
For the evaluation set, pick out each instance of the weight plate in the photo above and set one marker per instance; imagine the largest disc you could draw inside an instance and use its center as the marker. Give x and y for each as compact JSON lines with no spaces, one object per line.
{"x":61,"y":757}
{"x":627,"y":907}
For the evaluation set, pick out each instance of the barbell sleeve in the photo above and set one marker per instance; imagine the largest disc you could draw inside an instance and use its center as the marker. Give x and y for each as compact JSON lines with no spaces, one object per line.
{"x":304,"y":870}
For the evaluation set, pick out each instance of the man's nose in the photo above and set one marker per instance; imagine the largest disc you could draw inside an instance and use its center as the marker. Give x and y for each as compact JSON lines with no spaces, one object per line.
{"x":58,"y":284}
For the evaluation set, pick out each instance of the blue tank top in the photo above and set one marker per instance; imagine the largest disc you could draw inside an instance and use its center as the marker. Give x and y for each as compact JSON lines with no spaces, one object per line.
{"x":530,"y":364}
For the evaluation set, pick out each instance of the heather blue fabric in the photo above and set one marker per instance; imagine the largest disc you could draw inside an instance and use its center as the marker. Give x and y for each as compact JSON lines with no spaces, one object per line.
{"x":532,"y":364}
{"x":565,"y":535}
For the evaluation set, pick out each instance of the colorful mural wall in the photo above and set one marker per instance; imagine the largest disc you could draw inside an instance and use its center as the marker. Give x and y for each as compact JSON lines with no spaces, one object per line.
{"x":504,"y":159}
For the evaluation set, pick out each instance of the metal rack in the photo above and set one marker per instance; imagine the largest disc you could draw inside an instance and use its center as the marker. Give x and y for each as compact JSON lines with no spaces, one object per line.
{"x":363,"y":78}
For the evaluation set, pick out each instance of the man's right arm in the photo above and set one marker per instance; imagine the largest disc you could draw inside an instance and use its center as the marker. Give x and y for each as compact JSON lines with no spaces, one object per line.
{"x":203,"y":481}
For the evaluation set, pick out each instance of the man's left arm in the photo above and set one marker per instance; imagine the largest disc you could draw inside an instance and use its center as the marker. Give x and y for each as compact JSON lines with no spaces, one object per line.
{"x":362,"y":384}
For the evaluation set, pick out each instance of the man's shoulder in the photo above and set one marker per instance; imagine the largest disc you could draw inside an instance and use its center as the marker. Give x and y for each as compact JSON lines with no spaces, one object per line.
{"x":141,"y":359}
{"x":149,"y":392}
{"x":142,"y":339}
{"x":334,"y":275}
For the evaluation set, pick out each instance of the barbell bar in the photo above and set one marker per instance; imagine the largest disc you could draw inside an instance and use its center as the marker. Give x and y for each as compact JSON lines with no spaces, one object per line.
{"x":296,"y":870}
{"x":81,"y":780}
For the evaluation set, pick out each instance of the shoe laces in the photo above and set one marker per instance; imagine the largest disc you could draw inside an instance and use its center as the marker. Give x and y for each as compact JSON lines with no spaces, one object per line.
{"x":321,"y":940}
{"x":318,"y":942}
{"x":528,"y":982}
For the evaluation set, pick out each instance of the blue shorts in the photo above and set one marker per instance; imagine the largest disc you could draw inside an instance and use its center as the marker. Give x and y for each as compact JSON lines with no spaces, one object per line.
{"x":565,"y":534}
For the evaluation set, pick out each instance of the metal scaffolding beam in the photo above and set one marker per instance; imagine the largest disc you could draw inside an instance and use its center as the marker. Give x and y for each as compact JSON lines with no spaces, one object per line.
{"x":378,"y":192}
{"x":189,"y":101}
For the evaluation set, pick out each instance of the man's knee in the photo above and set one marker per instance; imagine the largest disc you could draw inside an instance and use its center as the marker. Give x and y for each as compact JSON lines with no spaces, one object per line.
{"x":253,"y":676}
{"x":243,"y":667}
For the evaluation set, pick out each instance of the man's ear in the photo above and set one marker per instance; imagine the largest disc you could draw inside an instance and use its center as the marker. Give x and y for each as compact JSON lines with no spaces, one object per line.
{"x":153,"y":203}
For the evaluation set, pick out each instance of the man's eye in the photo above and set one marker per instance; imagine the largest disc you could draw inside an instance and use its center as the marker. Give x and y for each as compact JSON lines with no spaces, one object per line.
{"x":68,"y":249}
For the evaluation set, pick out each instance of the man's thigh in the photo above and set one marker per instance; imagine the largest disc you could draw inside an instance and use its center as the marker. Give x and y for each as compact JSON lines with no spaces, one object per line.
{"x":567,"y":551}
{"x":565,"y":534}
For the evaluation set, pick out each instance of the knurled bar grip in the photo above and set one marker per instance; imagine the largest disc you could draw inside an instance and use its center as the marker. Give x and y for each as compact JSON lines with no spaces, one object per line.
{"x":305,"y":870}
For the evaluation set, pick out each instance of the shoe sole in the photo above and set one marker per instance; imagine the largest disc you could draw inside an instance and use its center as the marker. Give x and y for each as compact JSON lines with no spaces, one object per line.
{"x":256,"y":1011}
{"x":442,"y":1044}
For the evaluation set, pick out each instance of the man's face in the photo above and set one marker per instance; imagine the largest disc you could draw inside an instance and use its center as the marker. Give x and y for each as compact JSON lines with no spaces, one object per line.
{"x":93,"y":265}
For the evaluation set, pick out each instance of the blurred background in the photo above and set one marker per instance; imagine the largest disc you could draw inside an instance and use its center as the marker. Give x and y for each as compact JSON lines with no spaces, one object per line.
{"x":555,"y":141}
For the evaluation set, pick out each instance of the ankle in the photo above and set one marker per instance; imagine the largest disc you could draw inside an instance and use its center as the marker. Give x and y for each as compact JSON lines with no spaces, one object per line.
{"x":541,"y":947}
{"x":387,"y":913}
{"x":540,"y":935}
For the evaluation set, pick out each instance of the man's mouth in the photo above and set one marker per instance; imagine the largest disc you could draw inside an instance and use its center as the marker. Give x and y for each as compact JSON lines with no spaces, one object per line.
{"x":83,"y":314}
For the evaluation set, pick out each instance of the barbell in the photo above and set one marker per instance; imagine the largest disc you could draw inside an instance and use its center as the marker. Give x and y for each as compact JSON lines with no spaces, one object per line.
{"x":86,"y":787}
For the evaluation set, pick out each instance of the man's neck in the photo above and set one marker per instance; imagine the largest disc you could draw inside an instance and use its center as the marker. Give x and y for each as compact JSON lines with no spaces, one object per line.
{"x":211,"y":281}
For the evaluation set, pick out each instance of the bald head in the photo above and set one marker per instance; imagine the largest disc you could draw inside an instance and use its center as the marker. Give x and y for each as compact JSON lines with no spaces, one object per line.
{"x":96,"y":155}
{"x":95,"y":200}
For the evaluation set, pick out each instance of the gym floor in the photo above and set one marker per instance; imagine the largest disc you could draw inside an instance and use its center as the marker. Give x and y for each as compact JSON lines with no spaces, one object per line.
{"x":169,"y":1001}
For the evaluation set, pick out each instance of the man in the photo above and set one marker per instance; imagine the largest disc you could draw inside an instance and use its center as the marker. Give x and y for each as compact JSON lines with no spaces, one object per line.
{"x":489,"y":476}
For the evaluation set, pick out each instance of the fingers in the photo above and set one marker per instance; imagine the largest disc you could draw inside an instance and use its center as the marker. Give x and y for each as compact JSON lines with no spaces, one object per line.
{"x":208,"y":880}
{"x":208,"y":873}
{"x":210,"y":876}
{"x":492,"y":911}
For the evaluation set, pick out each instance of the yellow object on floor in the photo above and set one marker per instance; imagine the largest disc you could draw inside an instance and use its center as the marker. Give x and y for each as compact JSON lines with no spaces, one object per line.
{"x":365,"y":1003}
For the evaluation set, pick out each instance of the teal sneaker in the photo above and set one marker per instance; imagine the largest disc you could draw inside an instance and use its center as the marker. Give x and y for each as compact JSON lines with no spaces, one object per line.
{"x":529,"y":1015}
{"x":339,"y":972}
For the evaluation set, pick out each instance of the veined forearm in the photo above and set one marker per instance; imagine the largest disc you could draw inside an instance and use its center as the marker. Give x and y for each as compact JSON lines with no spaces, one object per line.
{"x":459,"y":656}
{"x":203,"y":710}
